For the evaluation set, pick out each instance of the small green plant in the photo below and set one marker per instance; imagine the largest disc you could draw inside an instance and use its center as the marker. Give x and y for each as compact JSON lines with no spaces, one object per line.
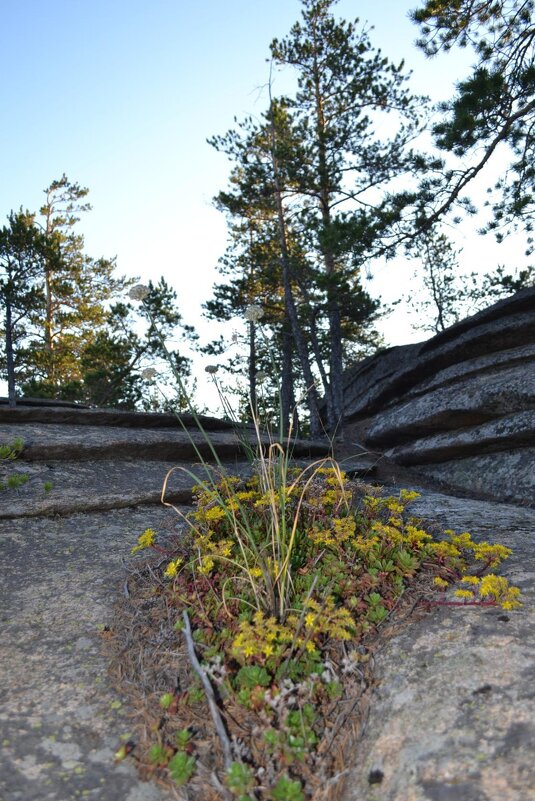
{"x":16,"y":480}
{"x":287,"y":790}
{"x":11,"y":450}
{"x":166,"y":700}
{"x":183,"y":739}
{"x":181,"y":767}
{"x":251,"y":676}
{"x":48,"y":486}
{"x":159,"y":754}
{"x":8,"y":453}
{"x":239,"y":780}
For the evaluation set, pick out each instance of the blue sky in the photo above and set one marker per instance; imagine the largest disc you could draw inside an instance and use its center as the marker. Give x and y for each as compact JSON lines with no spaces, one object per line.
{"x":122,"y":94}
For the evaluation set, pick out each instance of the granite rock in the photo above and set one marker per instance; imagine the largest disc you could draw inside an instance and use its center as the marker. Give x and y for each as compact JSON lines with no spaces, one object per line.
{"x":458,"y":408}
{"x":452,"y":717}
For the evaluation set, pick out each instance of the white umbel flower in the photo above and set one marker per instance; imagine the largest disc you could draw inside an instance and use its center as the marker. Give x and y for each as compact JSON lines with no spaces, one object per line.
{"x":138,"y":292}
{"x":253,"y":313}
{"x":149,"y":373}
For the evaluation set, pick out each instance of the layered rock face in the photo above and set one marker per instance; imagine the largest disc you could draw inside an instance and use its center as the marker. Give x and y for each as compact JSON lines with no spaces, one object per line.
{"x":459,"y":407}
{"x":76,"y":459}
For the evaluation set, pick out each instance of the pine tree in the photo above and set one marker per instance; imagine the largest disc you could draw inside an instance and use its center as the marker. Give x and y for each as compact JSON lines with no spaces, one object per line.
{"x":267,"y":184}
{"x":113,"y":364}
{"x":438,"y":306}
{"x":346,"y":179}
{"x":23,"y":251}
{"x":262,"y":249}
{"x":493,"y":110}
{"x":449,"y":294}
{"x":77,"y":289}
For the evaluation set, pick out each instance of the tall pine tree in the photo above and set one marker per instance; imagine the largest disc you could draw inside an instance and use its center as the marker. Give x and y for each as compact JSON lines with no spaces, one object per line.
{"x":492,"y":113}
{"x":347,"y":178}
{"x":23,"y":252}
{"x":77,"y":290}
{"x":274,"y":262}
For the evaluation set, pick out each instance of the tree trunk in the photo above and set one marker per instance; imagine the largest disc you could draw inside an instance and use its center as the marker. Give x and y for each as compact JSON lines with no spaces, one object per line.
{"x":48,"y":326}
{"x":336,"y":365}
{"x":286,"y":401}
{"x":12,"y":401}
{"x":314,"y":341}
{"x":316,"y":428}
{"x":49,"y":314}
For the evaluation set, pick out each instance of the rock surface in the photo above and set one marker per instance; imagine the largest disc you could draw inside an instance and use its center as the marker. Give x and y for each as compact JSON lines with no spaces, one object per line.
{"x":459,"y":407}
{"x":453,"y":716}
{"x":104,"y":459}
{"x":61,"y":722}
{"x":64,"y":487}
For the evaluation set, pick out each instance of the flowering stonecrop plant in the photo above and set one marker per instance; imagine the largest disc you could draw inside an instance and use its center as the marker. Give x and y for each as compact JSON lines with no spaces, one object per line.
{"x":275,"y":591}
{"x":285,"y":576}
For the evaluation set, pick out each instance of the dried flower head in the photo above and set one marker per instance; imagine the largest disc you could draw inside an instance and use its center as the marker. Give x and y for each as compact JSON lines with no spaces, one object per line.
{"x":149,"y":373}
{"x":253,"y":313}
{"x":138,"y":292}
{"x":211,"y":369}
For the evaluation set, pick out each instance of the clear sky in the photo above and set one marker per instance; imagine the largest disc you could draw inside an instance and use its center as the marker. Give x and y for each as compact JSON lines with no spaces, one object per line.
{"x":121,"y":95}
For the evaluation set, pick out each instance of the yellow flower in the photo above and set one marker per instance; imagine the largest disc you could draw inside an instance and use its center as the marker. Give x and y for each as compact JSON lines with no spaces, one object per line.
{"x":499,"y":589}
{"x":511,"y":605}
{"x":444,"y":549}
{"x":323,"y":537}
{"x":263,"y":500}
{"x":493,"y":585}
{"x":393,"y":505}
{"x":310,"y":619}
{"x":408,"y":495}
{"x":440,"y":582}
{"x":464,"y":594}
{"x":335,"y":480}
{"x":214,"y":514}
{"x":470,"y":580}
{"x":493,"y":554}
{"x":207,"y":564}
{"x":344,"y":527}
{"x":245,"y":496}
{"x":145,"y":540}
{"x":170,"y":570}
{"x":310,"y":647}
{"x":463,"y":540}
{"x":416,"y":536}
{"x":172,"y":567}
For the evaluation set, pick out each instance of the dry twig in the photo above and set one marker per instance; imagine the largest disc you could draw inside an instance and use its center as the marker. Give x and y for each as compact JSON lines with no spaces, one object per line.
{"x":210,"y":696}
